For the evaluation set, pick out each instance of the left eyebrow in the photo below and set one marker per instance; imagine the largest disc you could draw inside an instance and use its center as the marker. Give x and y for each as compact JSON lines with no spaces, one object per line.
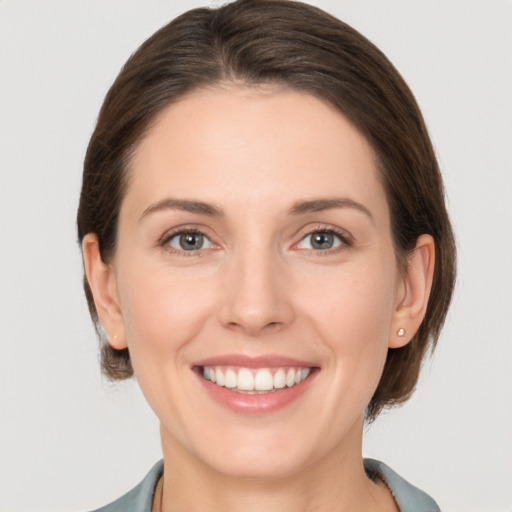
{"x":318,"y":205}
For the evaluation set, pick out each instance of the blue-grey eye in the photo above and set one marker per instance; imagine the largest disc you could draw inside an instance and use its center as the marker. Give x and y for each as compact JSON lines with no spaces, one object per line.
{"x":320,"y":241}
{"x":189,"y":242}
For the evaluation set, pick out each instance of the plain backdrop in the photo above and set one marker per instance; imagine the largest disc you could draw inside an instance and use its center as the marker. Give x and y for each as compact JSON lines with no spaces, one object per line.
{"x":70,"y":441}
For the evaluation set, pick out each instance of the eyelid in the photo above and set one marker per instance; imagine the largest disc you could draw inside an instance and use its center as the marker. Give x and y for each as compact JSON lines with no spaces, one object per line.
{"x":347,"y":240}
{"x":164,"y":240}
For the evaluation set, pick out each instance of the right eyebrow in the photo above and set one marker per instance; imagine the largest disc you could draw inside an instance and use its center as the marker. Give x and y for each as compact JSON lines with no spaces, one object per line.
{"x":187,"y":205}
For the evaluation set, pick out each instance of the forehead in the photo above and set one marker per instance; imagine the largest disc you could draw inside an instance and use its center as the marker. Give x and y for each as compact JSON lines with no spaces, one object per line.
{"x":254,"y":145}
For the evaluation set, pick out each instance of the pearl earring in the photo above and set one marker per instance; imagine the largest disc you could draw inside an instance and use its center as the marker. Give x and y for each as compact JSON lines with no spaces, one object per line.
{"x":401,"y":332}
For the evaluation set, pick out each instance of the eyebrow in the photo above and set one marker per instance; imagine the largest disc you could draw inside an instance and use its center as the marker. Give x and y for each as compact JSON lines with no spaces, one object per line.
{"x":186,"y":205}
{"x":318,"y":205}
{"x":298,"y":208}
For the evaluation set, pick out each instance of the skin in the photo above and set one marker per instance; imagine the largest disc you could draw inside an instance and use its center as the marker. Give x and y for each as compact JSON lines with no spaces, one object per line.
{"x":258,"y":287}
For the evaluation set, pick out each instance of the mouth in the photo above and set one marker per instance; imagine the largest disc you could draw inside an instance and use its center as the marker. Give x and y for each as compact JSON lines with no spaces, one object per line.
{"x":255,"y":386}
{"x":255,"y":380}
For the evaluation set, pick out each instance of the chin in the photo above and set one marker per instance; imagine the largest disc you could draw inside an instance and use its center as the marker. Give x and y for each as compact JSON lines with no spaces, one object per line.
{"x":262,"y":465}
{"x":265,"y":454}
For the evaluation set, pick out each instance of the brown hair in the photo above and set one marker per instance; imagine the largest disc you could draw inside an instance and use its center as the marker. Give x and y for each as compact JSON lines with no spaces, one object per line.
{"x":300,"y":47}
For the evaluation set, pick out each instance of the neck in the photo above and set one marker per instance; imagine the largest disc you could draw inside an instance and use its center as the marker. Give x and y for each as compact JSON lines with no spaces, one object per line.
{"x":336,"y":482}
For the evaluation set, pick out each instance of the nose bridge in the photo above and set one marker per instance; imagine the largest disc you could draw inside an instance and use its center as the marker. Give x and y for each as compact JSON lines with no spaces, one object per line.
{"x":255,"y":297}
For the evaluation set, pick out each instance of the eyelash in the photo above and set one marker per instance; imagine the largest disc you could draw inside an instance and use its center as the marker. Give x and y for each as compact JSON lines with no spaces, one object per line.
{"x":344,"y":238}
{"x":166,"y":239}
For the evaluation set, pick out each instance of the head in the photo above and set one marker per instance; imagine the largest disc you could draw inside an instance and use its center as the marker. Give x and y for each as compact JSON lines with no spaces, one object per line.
{"x":282,"y":46}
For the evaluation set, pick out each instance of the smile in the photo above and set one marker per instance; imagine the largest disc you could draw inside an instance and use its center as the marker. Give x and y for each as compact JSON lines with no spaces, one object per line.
{"x":255,"y":386}
{"x":255,"y":381}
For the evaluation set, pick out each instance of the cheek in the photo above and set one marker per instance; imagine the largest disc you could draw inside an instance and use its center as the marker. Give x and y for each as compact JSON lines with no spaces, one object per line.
{"x":162,"y":313}
{"x":352,"y":313}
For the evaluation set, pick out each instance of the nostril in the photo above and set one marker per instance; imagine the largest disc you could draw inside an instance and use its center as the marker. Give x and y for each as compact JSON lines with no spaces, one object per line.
{"x":255,"y":329}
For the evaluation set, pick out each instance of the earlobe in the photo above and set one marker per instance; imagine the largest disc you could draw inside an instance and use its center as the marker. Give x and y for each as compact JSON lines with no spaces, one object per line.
{"x":103,"y":285}
{"x":415,"y":292}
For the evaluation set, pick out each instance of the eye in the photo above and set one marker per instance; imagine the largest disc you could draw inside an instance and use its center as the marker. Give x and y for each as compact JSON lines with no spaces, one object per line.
{"x":322,"y":240}
{"x":189,"y":241}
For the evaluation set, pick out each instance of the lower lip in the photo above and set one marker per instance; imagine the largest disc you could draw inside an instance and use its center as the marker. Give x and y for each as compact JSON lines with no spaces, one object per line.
{"x":256,"y":404}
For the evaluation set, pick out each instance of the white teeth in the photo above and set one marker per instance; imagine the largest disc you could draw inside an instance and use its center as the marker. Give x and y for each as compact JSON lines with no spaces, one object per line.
{"x":263,"y":381}
{"x":255,"y":380}
{"x":209,"y":373}
{"x":219,"y":377}
{"x":230,"y":380}
{"x":279,"y":379}
{"x":245,"y":380}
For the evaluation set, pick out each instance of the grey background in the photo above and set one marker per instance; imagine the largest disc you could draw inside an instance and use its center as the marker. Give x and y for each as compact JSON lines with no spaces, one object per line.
{"x":69,"y":440}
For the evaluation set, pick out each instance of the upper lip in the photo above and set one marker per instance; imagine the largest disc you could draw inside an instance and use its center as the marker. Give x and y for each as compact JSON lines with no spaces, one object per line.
{"x":245,"y":361}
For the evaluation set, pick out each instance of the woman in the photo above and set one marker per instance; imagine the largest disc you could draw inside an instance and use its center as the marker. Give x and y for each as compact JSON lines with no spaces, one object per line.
{"x":267,"y":249}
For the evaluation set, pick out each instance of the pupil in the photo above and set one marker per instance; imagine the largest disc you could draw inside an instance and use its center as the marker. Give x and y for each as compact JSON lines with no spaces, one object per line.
{"x":190,"y":241}
{"x":322,"y":241}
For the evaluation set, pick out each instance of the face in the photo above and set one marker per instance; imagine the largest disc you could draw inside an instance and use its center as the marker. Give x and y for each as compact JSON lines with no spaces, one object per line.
{"x":255,"y":251}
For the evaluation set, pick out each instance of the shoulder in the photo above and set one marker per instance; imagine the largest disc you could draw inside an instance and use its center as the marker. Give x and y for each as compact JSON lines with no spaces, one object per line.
{"x":408,"y":497}
{"x":140,"y":498}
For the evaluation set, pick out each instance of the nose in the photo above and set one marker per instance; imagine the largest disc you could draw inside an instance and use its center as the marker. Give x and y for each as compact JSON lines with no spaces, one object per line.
{"x":257,"y":297}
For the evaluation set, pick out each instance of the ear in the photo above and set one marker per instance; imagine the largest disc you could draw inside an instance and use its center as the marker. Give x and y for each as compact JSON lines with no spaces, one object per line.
{"x":413,"y":293}
{"x":102,"y":282}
